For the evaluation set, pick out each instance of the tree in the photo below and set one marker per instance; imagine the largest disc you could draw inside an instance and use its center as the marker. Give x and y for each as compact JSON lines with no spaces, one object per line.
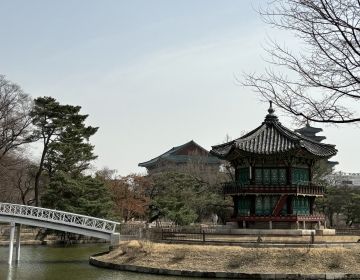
{"x":64,"y":137}
{"x":322,"y":83}
{"x":82,"y":195}
{"x":15,"y":120}
{"x":129,"y":193}
{"x":184,"y":198}
{"x":16,"y":179}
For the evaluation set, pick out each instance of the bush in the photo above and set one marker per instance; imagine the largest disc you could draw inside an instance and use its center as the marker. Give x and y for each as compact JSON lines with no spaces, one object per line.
{"x":179,"y":255}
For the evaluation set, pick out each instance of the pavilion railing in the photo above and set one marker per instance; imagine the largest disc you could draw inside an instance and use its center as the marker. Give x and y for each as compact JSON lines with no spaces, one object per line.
{"x":238,"y":188}
{"x":58,"y":217}
{"x":281,"y":218}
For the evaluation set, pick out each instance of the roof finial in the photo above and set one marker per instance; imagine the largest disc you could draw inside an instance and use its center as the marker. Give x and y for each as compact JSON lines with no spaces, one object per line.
{"x":271,"y":117}
{"x":271,"y":110}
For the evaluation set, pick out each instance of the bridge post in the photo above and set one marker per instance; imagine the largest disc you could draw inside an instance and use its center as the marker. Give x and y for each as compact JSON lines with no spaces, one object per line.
{"x":18,"y":231}
{"x":115,"y":239}
{"x":11,"y":243}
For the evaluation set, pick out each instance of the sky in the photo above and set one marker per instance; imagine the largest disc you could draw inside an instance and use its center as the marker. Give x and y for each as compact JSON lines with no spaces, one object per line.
{"x":150,"y":74}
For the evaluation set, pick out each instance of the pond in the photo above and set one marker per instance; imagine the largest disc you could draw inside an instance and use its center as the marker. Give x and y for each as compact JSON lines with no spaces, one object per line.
{"x":63,"y":263}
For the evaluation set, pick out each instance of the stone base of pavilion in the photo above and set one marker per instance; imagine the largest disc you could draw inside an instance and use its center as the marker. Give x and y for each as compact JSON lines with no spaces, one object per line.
{"x":278,"y":225}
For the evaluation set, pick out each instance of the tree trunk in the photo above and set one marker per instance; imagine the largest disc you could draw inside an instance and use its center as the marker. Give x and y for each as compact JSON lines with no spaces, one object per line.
{"x":39,"y":172}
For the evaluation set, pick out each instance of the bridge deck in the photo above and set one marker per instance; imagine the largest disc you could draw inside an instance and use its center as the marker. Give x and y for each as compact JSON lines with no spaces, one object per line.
{"x":20,"y":213}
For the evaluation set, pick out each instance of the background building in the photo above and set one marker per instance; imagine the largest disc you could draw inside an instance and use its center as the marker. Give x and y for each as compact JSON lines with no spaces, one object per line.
{"x":180,"y":157}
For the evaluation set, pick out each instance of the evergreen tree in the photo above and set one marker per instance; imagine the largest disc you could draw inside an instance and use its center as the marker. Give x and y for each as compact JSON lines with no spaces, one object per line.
{"x":82,"y":195}
{"x":184,"y":198}
{"x":64,"y":137}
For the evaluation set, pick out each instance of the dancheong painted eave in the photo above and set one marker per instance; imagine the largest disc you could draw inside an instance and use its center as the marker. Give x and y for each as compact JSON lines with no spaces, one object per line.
{"x":271,"y":137}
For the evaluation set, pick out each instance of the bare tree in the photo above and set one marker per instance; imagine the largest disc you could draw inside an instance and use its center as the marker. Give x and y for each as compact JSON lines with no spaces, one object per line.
{"x":322,"y":81}
{"x":17,"y":176}
{"x":15,"y":121}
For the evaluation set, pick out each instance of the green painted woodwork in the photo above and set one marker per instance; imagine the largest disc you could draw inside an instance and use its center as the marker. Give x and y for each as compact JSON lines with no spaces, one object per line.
{"x":265,"y":204}
{"x":266,"y":176}
{"x":259,"y":205}
{"x":301,"y":205}
{"x":282,"y":176}
{"x":270,"y":176}
{"x":244,"y":205}
{"x":258,"y":176}
{"x":243,"y":176}
{"x":300,"y":176}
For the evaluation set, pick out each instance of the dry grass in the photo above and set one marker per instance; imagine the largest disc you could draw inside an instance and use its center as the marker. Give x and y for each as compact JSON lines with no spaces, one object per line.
{"x":237,"y":259}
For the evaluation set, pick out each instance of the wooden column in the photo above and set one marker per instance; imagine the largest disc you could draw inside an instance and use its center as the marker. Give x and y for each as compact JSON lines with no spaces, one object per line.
{"x":312,"y":205}
{"x":289,"y":205}
{"x":252,"y":180}
{"x":236,"y":205}
{"x":253,"y":205}
{"x":289,"y":176}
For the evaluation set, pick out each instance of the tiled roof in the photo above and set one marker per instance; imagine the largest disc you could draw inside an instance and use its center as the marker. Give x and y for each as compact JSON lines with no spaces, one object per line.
{"x":271,"y":138}
{"x":172,"y":156}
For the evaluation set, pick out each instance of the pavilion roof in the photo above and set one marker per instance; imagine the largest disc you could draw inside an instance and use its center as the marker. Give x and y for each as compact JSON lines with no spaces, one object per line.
{"x":271,"y":137}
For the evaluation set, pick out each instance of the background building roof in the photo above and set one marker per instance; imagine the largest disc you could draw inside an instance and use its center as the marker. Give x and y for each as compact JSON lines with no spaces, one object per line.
{"x":183,"y":154}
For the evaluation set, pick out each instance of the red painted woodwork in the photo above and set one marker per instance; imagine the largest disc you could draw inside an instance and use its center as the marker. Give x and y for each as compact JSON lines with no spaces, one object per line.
{"x":279,"y":205}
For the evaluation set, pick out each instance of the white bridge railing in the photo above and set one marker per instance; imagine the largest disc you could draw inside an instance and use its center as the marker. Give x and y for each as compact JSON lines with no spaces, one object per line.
{"x":58,"y":217}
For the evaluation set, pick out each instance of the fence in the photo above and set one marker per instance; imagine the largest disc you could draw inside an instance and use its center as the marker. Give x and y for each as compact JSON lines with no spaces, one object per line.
{"x":348,"y":231}
{"x":202,"y":236}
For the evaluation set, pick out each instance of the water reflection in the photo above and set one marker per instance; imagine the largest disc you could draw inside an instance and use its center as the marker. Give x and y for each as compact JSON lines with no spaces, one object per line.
{"x":59,"y":263}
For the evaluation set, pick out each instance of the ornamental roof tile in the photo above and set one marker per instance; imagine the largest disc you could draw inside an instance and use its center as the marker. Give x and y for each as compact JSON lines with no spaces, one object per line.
{"x":271,"y":137}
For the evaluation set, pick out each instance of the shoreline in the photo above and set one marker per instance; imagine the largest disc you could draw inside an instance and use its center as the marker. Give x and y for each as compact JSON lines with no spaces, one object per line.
{"x":218,"y":274}
{"x":52,"y":242}
{"x":232,"y":262}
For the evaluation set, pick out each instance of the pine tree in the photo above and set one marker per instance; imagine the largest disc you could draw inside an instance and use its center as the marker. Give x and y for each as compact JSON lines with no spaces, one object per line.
{"x":64,"y":136}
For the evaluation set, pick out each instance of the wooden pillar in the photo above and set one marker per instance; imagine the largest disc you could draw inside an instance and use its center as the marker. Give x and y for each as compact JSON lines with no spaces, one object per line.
{"x":253,"y":205}
{"x":236,"y":205}
{"x":304,"y":225}
{"x":252,"y":170}
{"x":18,"y":231}
{"x":270,"y":225}
{"x":11,"y":243}
{"x":312,"y":205}
{"x":290,"y":208}
{"x":244,"y":224}
{"x":289,"y":175}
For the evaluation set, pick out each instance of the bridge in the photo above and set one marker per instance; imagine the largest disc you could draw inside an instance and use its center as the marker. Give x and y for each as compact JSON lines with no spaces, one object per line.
{"x":17,"y":215}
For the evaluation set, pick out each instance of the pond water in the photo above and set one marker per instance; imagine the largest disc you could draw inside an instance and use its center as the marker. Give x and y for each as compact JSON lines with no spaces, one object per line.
{"x":64,"y":263}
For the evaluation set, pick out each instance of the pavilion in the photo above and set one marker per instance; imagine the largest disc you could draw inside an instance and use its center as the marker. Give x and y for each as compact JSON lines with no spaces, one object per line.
{"x":274,"y":168}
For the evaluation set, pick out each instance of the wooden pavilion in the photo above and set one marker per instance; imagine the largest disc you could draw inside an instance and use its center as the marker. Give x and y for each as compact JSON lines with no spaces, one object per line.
{"x":273,"y":170}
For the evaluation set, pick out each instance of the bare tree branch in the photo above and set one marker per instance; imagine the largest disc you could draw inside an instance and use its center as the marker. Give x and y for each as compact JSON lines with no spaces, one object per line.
{"x":323,"y":81}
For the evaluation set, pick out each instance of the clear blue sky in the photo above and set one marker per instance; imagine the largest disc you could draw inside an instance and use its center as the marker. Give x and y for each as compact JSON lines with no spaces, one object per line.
{"x":151,"y":74}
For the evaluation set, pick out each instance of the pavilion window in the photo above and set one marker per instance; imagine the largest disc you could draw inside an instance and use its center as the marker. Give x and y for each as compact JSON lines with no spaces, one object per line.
{"x":258,"y":176}
{"x":300,"y":176}
{"x":270,"y":176}
{"x":244,"y":205}
{"x":243,"y":176}
{"x":301,"y":205}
